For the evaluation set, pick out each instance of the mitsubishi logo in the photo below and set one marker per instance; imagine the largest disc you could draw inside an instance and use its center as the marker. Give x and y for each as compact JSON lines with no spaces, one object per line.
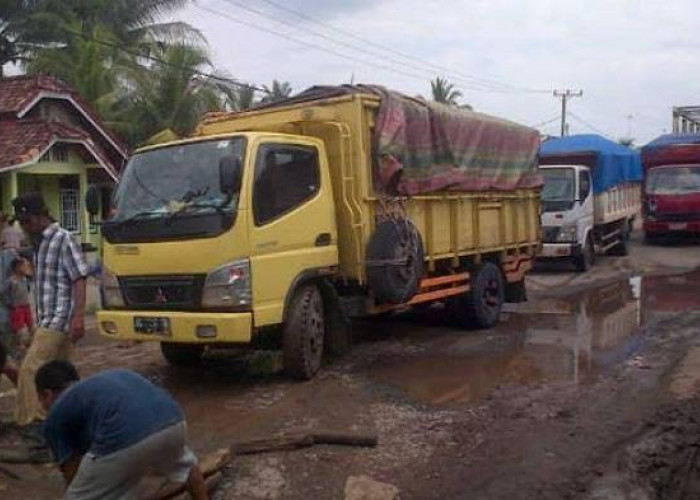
{"x":160,"y":298}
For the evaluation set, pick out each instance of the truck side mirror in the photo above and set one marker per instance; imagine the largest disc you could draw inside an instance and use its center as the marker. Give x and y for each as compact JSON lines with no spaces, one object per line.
{"x":92,"y":199}
{"x":230,"y":173}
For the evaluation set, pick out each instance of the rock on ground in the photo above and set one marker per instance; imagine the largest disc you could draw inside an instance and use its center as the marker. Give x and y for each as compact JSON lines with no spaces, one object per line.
{"x":366,"y":488}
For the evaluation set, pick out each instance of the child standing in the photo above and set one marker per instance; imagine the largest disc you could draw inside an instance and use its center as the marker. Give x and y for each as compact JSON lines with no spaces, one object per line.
{"x":17,"y":296}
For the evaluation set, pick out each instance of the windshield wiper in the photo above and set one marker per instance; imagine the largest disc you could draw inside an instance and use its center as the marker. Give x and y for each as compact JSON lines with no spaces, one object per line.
{"x":219,"y":207}
{"x":137,"y":216}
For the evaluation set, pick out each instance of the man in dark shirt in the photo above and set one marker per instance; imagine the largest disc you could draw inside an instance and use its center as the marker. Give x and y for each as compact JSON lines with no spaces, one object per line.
{"x":111,"y":430}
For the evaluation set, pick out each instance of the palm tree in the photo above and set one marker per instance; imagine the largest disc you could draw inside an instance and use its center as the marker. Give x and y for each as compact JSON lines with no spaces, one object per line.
{"x":245,"y":98}
{"x":18,"y":30}
{"x":133,"y":22}
{"x":173,"y":94}
{"x":445,"y":92}
{"x":626,"y":141}
{"x":90,"y":67}
{"x":278,"y":91}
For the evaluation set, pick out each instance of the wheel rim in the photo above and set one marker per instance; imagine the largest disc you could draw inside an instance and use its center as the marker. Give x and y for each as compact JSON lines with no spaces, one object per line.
{"x":491,"y":296}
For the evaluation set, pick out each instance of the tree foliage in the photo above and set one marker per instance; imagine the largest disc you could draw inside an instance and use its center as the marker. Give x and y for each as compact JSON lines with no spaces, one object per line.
{"x":278,"y":91}
{"x":445,"y":92}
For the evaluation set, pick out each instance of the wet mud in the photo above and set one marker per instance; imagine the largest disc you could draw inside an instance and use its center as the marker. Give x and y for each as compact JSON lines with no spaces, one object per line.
{"x":587,"y":393}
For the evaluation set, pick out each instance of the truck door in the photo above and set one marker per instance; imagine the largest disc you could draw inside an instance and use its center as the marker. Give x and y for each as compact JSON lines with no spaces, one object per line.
{"x":585,"y":199}
{"x":293,"y":222}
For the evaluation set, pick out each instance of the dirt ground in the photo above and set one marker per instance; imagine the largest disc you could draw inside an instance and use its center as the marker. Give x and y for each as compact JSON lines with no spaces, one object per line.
{"x":591,"y":390}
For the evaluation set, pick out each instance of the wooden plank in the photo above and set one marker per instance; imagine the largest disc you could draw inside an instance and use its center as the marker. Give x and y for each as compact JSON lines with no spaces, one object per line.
{"x":303,"y":440}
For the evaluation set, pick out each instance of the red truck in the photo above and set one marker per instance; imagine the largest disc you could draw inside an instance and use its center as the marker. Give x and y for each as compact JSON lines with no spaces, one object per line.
{"x":671,"y":194}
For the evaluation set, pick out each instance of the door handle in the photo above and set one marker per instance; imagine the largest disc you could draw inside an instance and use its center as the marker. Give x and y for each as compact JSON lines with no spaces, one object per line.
{"x":323,"y":240}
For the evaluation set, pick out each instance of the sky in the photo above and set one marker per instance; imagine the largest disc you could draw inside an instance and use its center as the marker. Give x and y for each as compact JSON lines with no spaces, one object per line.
{"x":633,"y":60}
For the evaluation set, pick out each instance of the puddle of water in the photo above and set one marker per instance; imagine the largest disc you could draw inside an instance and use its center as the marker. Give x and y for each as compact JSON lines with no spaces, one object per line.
{"x":577,"y":338}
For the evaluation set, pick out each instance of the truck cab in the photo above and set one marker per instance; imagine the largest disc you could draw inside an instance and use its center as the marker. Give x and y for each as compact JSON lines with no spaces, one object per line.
{"x":231,"y":219}
{"x":672,"y":200}
{"x":671,"y":186}
{"x":567,"y":213}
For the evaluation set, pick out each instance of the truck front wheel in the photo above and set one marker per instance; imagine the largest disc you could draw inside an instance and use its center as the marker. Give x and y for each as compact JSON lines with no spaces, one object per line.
{"x":303,"y":334}
{"x":182,"y":354}
{"x":481,"y":307}
{"x":587,"y":258}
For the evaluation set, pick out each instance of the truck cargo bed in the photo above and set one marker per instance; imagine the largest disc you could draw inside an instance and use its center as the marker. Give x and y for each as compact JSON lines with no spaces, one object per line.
{"x":453,"y":224}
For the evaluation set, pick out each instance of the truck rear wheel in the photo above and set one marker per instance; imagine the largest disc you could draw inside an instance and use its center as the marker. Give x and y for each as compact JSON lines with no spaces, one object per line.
{"x":481,"y":307}
{"x":182,"y":354}
{"x":587,"y":258}
{"x":303,"y":334}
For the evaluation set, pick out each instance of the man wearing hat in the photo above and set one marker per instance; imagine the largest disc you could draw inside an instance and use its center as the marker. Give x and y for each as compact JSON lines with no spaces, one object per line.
{"x":60,"y":275}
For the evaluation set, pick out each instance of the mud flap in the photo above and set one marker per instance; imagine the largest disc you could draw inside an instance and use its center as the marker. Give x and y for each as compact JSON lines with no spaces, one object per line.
{"x":516,"y":292}
{"x":338,"y":339}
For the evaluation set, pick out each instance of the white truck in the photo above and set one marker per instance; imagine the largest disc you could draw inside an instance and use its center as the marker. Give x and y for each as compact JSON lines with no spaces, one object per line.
{"x":590,"y":199}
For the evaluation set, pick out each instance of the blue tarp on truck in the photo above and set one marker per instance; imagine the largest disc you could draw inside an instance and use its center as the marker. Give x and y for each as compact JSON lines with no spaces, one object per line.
{"x":670,"y":149}
{"x":672,"y":140}
{"x":611,"y":163}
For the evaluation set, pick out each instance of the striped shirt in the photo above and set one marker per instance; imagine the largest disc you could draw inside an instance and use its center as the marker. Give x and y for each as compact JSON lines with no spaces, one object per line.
{"x":58,"y":264}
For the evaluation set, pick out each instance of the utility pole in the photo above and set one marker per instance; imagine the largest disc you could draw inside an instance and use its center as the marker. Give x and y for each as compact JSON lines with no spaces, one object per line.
{"x":565,"y":95}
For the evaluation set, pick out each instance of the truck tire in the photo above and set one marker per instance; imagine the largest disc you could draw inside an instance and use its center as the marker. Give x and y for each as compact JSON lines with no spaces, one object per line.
{"x":587,"y":258}
{"x":650,"y":238}
{"x":395,"y":261}
{"x":182,"y":354}
{"x":303,"y":334}
{"x":481,"y":307}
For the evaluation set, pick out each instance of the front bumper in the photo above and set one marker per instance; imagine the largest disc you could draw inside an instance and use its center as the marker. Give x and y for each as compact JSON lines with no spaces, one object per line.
{"x":229,"y":328}
{"x":559,"y":250}
{"x":670,"y":227}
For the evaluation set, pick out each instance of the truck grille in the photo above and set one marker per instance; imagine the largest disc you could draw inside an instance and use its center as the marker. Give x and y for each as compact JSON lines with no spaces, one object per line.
{"x":163,"y":292}
{"x":678,"y":217}
{"x":550,"y":234}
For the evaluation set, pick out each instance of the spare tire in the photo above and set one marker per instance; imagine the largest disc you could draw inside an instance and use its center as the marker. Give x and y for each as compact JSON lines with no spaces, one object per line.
{"x":395,"y":261}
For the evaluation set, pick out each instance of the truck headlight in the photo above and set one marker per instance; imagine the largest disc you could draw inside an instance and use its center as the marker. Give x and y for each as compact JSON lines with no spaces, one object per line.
{"x":228,"y":286}
{"x":111,"y":291}
{"x":567,"y":234}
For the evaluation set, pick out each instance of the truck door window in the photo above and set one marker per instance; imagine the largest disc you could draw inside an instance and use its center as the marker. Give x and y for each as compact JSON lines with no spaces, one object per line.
{"x":285,"y":177}
{"x":584,"y":186}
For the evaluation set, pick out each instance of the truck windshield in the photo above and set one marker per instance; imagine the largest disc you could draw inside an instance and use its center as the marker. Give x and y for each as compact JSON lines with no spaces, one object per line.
{"x":675,"y":179}
{"x":559,"y":191}
{"x":175,"y":183}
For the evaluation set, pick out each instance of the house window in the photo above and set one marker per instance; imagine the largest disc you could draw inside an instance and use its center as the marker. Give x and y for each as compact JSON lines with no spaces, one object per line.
{"x":57,"y":154}
{"x":70,"y":209}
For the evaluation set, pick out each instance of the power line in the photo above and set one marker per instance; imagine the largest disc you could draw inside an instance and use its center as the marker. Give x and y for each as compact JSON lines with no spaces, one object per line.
{"x":592,"y":127}
{"x":545,"y":122}
{"x":374,"y":53}
{"x":305,"y":43}
{"x":329,"y":50}
{"x":409,"y":57}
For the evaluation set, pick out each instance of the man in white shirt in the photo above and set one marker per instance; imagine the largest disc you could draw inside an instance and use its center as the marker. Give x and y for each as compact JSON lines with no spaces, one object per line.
{"x":11,"y":237}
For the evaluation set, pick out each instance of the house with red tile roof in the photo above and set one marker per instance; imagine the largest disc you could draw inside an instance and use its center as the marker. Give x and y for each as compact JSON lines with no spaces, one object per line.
{"x":52,"y":141}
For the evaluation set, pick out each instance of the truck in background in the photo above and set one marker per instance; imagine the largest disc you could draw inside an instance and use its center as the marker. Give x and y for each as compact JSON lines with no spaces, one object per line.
{"x":591,"y":196}
{"x":671,"y":192}
{"x":269,"y":228}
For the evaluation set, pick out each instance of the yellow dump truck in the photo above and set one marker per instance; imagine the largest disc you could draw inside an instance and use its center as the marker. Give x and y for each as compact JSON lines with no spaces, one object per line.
{"x":273,"y":227}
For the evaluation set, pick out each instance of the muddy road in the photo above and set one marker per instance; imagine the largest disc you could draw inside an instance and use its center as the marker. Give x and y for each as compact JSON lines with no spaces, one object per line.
{"x":591,"y":390}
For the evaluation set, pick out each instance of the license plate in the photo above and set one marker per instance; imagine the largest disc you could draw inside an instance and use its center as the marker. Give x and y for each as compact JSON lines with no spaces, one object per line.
{"x":678,"y":226}
{"x":155,"y":326}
